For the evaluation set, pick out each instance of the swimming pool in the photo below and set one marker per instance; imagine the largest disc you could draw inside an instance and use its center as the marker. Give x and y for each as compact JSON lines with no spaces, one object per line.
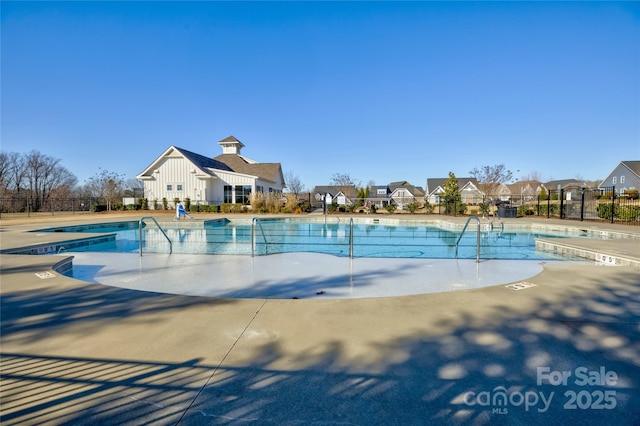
{"x":303,"y":258}
{"x":367,"y":239}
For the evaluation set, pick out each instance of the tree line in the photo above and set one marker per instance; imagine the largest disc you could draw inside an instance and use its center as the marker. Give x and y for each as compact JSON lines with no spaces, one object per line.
{"x":36,"y":178}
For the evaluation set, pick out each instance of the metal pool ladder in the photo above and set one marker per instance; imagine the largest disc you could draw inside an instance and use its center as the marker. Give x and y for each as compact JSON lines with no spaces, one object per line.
{"x":159,"y":227}
{"x":478,"y":242}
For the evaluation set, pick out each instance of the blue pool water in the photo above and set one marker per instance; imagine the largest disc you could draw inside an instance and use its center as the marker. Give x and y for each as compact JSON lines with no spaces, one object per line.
{"x":287,"y":235}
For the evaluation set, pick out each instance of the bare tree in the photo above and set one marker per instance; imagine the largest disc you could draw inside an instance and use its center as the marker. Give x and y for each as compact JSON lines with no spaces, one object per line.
{"x":343,"y":180}
{"x":490,"y":178}
{"x":133,"y":188}
{"x":12,"y":172}
{"x":106,"y":185}
{"x":294,"y":183}
{"x":532,"y":176}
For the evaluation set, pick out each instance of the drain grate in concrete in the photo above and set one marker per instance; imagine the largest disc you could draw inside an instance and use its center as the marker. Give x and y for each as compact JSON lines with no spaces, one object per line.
{"x":520,"y":286}
{"x":44,"y":275}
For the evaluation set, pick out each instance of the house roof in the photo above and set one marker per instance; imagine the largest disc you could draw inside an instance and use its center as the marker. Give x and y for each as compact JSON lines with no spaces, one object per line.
{"x":231,"y":138}
{"x":553,"y":184}
{"x":634,"y":166}
{"x":520,"y":185}
{"x":202,"y":162}
{"x":416,"y":191}
{"x":348,"y":191}
{"x":239,"y":164}
{"x":233,"y":163}
{"x":434,"y":183}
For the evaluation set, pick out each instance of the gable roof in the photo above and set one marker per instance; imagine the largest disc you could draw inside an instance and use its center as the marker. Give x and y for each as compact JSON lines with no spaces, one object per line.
{"x":239,"y":164}
{"x":204,"y":164}
{"x":416,"y":191}
{"x":634,"y":166}
{"x":562,"y":183}
{"x":435,"y":183}
{"x":348,"y":191}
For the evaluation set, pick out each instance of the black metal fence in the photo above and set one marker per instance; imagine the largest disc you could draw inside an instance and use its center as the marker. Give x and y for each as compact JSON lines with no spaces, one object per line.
{"x":584,"y":204}
{"x":574,"y":203}
{"x":23,"y":207}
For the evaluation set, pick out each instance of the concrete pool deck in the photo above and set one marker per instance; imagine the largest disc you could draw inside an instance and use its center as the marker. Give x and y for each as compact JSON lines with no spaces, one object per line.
{"x":81,"y":353}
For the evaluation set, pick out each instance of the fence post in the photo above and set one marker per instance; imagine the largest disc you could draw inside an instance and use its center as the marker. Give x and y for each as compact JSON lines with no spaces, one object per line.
{"x":561,"y":203}
{"x":613,"y":202}
{"x":582,"y":205}
{"x":549,"y":204}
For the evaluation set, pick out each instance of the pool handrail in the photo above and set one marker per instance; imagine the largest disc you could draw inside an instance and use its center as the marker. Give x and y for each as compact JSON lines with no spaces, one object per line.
{"x":253,"y":235}
{"x":476,"y":218}
{"x":159,"y":227}
{"x":351,"y":238}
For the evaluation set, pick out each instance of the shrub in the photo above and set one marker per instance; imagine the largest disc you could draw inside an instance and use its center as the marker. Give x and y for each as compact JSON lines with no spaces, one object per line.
{"x":391,"y":208}
{"x":628,"y":213}
{"x":165,"y":204}
{"x":187,"y":203}
{"x":256,"y":199}
{"x":291,"y":203}
{"x":144,"y":204}
{"x":272,"y":202}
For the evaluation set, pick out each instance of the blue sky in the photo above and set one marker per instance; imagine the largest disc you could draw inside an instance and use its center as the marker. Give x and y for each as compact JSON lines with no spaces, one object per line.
{"x":382,"y":91}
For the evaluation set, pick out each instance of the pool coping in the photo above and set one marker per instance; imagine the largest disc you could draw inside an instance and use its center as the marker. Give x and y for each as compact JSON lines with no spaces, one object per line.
{"x":626,"y":251}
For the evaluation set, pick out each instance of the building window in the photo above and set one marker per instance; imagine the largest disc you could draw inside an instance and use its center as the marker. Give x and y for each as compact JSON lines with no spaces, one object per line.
{"x":260,"y":189}
{"x":242,"y":194}
{"x":179,"y":187}
{"x":622,"y":179}
{"x":228,"y":194}
{"x":382,"y":192}
{"x":169,"y":187}
{"x":615,"y":179}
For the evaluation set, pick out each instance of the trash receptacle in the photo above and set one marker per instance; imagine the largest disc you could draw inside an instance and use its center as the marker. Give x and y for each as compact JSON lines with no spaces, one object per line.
{"x":506,"y":211}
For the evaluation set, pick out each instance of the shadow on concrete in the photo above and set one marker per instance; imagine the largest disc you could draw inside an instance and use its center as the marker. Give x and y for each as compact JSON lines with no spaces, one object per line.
{"x":36,"y":313}
{"x":418,"y":378}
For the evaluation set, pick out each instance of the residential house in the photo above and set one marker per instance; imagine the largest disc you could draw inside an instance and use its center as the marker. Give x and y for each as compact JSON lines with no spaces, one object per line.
{"x":625,"y":176}
{"x":228,"y":178}
{"x":468,"y":190}
{"x":379,"y":196}
{"x":525,"y":190}
{"x":557,"y":185}
{"x":341,"y":195}
{"x":403,"y":193}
